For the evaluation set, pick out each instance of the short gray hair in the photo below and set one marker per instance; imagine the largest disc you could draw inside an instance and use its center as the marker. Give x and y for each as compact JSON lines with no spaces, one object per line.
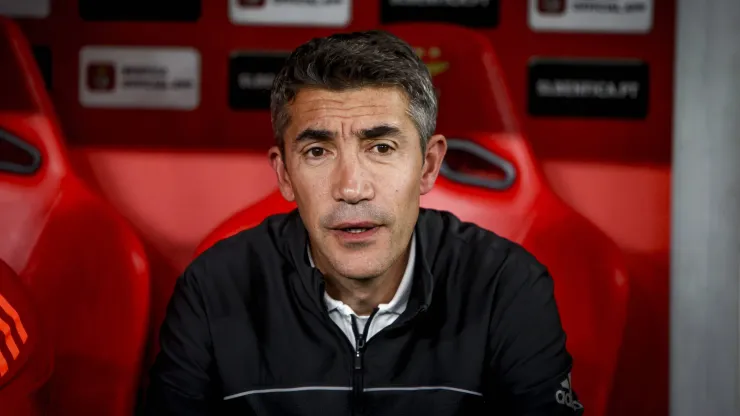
{"x":354,"y":60}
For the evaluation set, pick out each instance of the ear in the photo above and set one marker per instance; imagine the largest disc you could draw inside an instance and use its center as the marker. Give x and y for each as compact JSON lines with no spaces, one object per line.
{"x":435,"y":153}
{"x":283,"y":177}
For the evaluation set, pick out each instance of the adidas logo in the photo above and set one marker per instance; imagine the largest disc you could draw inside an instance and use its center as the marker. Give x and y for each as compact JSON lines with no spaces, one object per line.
{"x":564,"y":396}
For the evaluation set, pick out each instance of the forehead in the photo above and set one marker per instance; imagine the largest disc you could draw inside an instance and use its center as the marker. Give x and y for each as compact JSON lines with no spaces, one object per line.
{"x":314,"y":107}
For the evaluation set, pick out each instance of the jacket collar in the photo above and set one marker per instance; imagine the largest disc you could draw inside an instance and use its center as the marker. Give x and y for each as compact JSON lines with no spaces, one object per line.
{"x":295,"y":239}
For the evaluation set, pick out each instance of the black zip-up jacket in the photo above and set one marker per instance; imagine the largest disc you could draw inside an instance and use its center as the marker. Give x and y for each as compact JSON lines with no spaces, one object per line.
{"x":247,"y":333}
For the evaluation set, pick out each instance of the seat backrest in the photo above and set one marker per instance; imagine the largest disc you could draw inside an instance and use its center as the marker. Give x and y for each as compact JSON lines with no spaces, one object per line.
{"x":31,"y":164}
{"x":82,"y":263}
{"x":476,"y":115}
{"x":507,"y":194}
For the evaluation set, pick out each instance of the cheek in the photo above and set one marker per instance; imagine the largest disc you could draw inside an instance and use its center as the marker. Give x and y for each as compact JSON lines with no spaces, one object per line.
{"x":402,"y":185}
{"x":311,"y":193}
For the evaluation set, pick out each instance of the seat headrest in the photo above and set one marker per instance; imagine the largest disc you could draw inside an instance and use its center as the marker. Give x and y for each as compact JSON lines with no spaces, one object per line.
{"x":466,"y":74}
{"x":28,"y":123}
{"x":22,"y":85}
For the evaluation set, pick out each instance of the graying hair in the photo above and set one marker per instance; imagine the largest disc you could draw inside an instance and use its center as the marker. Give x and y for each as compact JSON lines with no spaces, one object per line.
{"x":354,"y":60}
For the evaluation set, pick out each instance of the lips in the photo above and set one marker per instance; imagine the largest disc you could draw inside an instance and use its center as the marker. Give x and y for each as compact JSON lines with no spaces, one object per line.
{"x":355,"y":231}
{"x":355,"y":227}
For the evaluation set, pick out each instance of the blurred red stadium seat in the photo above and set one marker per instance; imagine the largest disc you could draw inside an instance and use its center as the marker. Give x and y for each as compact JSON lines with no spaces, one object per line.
{"x":591,"y":282}
{"x":84,"y":266}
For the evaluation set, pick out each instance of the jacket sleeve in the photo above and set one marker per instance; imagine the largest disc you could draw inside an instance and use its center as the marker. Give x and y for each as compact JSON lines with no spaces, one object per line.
{"x":180,"y":379}
{"x":26,"y":355}
{"x":530,"y":370}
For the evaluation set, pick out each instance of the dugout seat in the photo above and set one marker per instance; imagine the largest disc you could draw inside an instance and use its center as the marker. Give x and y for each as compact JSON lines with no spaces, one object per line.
{"x":82,"y":263}
{"x":490,"y":177}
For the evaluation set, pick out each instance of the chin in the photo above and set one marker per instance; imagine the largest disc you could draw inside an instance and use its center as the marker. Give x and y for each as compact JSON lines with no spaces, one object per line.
{"x":360,"y":269}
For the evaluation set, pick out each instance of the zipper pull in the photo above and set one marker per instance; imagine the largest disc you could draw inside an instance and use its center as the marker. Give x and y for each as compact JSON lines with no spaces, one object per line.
{"x":359,"y":344}
{"x":358,"y":352}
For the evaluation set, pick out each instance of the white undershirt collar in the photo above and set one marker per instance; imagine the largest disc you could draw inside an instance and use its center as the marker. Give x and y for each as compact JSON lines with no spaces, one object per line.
{"x":397,"y":305}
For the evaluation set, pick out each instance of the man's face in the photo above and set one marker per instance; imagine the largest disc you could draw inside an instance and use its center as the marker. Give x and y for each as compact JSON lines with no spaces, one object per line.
{"x":354,"y":166}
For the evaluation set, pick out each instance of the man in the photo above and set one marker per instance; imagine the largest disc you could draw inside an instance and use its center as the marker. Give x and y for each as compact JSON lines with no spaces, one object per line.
{"x":360,"y":302}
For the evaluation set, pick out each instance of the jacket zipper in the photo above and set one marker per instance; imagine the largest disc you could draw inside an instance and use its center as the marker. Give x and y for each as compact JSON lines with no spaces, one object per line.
{"x":357,"y":373}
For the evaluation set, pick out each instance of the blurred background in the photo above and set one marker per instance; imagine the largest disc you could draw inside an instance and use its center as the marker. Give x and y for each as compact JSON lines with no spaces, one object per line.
{"x":155,"y":115}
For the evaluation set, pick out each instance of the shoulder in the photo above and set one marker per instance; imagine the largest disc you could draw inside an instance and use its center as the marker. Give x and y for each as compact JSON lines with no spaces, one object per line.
{"x":267,"y":236}
{"x":234,"y":257}
{"x":482,"y":253}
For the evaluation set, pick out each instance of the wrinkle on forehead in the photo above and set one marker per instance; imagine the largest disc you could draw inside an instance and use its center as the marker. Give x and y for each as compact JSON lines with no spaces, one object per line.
{"x":322,"y":109}
{"x":370,"y":98}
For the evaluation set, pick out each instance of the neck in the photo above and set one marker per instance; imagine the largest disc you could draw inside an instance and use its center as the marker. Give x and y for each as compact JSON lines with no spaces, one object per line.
{"x":364,"y":295}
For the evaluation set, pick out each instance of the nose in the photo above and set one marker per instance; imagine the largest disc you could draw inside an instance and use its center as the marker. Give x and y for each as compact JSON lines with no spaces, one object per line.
{"x":352,"y":182}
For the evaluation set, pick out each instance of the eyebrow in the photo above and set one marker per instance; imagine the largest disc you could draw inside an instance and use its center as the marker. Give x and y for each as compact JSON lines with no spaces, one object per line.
{"x":314,"y":134}
{"x":383,"y":130}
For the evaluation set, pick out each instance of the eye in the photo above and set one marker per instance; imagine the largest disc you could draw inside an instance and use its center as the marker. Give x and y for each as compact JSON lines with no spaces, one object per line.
{"x":316,"y":152}
{"x":383,"y":148}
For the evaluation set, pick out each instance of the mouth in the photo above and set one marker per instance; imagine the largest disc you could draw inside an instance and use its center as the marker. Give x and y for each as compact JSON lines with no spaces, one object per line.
{"x":356,"y":229}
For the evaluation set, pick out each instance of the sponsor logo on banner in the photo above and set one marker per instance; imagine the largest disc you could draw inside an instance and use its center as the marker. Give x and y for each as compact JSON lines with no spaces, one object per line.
{"x":471,"y":13}
{"x":101,"y":76}
{"x":140,"y":10}
{"x":616,"y":16}
{"x":587,"y":88}
{"x":551,"y":6}
{"x":250,"y":78}
{"x":145,"y":77}
{"x":326,"y":13}
{"x":38,"y":9}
